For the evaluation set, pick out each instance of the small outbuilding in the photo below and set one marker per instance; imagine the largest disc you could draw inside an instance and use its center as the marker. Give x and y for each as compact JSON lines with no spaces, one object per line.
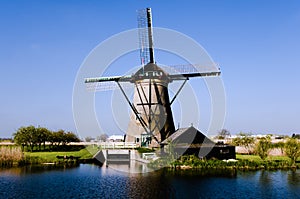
{"x":190,"y":141}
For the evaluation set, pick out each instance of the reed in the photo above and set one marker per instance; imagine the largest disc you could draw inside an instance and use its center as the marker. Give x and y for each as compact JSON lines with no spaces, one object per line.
{"x":10,"y":156}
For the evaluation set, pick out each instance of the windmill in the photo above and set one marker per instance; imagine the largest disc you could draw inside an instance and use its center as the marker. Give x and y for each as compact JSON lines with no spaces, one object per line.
{"x":151,"y":121}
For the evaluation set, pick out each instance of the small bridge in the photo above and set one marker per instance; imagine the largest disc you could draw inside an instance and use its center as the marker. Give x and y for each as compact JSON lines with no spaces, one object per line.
{"x":118,"y":156}
{"x":113,"y":156}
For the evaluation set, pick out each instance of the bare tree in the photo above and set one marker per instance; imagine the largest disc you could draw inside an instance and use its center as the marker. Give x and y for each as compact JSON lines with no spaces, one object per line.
{"x":103,"y":137}
{"x":223,"y":134}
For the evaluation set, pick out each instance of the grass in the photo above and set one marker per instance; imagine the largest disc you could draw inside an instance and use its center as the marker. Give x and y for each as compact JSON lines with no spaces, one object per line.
{"x":50,"y":157}
{"x":144,"y":150}
{"x":258,"y":159}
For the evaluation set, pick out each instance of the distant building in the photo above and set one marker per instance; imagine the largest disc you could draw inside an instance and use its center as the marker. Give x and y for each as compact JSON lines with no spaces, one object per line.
{"x":116,"y":138}
{"x":190,"y":141}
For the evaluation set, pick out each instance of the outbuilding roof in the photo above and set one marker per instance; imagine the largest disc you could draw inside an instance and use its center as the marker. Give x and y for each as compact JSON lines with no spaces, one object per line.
{"x":188,"y":135}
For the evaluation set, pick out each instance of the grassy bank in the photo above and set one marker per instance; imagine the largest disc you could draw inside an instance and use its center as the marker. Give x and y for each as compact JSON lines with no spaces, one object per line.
{"x":244,"y":162}
{"x":257,"y":158}
{"x":13,"y":156}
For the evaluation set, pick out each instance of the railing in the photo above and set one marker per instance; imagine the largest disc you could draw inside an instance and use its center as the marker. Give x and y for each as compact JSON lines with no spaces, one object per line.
{"x":117,"y":145}
{"x":118,"y":157}
{"x":149,"y":156}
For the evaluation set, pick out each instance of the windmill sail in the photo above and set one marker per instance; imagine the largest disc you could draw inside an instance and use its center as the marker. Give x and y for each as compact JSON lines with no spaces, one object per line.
{"x":107,"y":86}
{"x":175,"y":72}
{"x":107,"y":83}
{"x":145,"y":36}
{"x":183,"y":71}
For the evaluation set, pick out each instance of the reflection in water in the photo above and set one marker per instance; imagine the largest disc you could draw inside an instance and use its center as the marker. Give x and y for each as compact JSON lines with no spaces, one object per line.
{"x":164,"y":183}
{"x":265,"y":177}
{"x":293,"y":177}
{"x":93,"y":181}
{"x":15,"y":171}
{"x":132,"y":167}
{"x":18,"y":171}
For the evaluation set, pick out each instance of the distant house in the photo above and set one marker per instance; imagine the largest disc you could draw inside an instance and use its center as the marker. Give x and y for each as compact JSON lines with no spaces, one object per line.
{"x":190,"y":141}
{"x":116,"y":138}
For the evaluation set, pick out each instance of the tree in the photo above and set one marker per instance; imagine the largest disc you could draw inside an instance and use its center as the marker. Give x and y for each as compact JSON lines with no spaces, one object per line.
{"x":103,"y":137}
{"x":70,"y":137}
{"x":31,"y":136}
{"x":280,"y":145}
{"x":58,"y":137}
{"x":292,"y":149}
{"x":263,"y":147}
{"x":245,"y":140}
{"x":88,"y":139}
{"x":26,"y":136}
{"x":223,"y":134}
{"x":43,"y":136}
{"x":297,"y":136}
{"x":20,"y":137}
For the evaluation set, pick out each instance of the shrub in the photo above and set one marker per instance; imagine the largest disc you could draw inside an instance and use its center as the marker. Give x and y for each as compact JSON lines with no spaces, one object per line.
{"x":245,"y":140}
{"x":144,"y":150}
{"x":263,"y":147}
{"x":292,"y":149}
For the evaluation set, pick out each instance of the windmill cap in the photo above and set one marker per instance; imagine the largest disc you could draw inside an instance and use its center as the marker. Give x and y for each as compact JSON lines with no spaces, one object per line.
{"x":151,"y":70}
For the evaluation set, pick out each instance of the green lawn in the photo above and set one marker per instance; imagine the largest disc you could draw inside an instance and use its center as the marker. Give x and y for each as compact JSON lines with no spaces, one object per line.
{"x":85,"y":153}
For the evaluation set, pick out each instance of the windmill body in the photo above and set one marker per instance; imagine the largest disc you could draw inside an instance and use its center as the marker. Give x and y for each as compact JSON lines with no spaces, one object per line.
{"x":152,"y":102}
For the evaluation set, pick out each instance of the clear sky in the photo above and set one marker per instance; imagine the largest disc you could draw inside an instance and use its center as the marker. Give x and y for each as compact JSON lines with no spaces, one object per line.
{"x":256,"y":44}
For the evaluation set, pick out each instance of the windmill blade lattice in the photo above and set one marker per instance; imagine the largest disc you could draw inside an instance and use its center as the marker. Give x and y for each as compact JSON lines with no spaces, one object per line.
{"x":189,"y":69}
{"x":143,"y":36}
{"x":107,"y":86}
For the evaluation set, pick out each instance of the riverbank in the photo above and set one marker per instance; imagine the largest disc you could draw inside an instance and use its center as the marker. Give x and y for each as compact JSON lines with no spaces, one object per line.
{"x":85,"y":155}
{"x":242,"y":162}
{"x":11,"y":156}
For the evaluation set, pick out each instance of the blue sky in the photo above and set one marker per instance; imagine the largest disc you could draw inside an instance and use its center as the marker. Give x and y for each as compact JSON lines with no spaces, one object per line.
{"x":256,"y":43}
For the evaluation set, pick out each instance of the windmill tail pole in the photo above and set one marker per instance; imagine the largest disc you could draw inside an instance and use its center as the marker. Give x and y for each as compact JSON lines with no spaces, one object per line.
{"x":150,"y":35}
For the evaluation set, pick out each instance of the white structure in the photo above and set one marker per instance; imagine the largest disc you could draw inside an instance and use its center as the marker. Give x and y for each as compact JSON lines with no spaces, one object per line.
{"x":116,"y":138}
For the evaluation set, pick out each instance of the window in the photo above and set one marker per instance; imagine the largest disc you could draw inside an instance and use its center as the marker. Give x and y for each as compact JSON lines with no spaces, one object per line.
{"x":224,"y":151}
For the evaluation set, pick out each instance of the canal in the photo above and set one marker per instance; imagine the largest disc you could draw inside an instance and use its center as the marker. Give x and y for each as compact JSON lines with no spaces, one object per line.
{"x":92,"y":181}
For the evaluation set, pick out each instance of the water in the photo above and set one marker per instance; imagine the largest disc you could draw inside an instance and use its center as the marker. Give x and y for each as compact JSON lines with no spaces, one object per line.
{"x":91,"y":181}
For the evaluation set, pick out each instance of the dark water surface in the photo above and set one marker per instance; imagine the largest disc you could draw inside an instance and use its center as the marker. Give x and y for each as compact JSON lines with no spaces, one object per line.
{"x":91,"y":181}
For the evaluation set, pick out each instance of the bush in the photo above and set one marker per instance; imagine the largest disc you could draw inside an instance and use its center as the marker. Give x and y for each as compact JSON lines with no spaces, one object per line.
{"x":144,"y":150}
{"x":263,"y":147}
{"x":292,"y":149}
